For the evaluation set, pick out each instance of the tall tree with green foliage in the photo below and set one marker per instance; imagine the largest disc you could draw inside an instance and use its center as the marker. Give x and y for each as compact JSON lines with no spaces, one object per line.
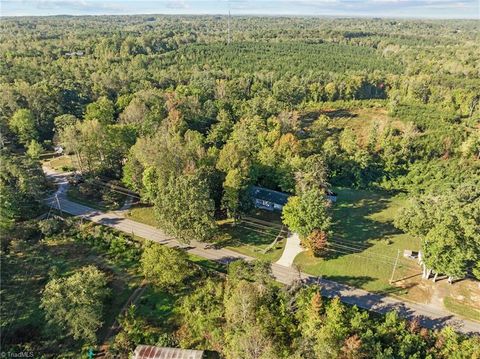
{"x":313,"y":175}
{"x":448,"y":225}
{"x":75,"y":303}
{"x":164,"y":266}
{"x":308,"y":212}
{"x":102,"y":110}
{"x":98,"y":148}
{"x":203,"y":316}
{"x":23,"y":124}
{"x":184,"y":208}
{"x":34,"y":150}
{"x":22,"y":184}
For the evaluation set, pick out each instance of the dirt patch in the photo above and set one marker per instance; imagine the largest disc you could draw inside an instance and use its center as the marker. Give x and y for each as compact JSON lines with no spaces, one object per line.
{"x":466,"y":292}
{"x":417,"y":290}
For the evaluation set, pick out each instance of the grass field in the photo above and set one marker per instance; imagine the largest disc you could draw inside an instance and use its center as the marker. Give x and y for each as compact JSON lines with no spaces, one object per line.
{"x":62,"y":163}
{"x":74,"y":195}
{"x":364,"y":244}
{"x":461,"y":309}
{"x":251,"y":240}
{"x":358,"y":117}
{"x":362,"y":120}
{"x":143,"y":214}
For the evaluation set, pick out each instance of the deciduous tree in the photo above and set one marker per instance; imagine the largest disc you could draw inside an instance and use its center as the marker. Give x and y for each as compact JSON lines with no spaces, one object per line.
{"x":184,"y":208}
{"x":308,"y":212}
{"x":75,"y":303}
{"x":23,"y":125}
{"x":164,"y":266}
{"x":102,"y":110}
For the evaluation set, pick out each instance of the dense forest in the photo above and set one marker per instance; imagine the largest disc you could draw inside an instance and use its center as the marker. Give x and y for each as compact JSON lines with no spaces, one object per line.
{"x":169,"y":108}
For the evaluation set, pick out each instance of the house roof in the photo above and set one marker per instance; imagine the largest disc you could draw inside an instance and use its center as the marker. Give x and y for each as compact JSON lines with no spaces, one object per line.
{"x":269,"y":195}
{"x":153,"y":352}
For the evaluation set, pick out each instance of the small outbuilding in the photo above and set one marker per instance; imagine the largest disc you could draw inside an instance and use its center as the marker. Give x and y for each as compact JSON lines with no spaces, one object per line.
{"x":409,"y":254}
{"x":268,"y":199}
{"x":153,"y":352}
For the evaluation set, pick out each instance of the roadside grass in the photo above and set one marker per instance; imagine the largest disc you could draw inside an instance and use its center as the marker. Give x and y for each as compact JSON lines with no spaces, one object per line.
{"x":464,"y":310}
{"x":207,"y":264}
{"x":253,"y":236}
{"x":364,"y":243}
{"x":142,"y":213}
{"x":242,"y":238}
{"x":74,"y":194}
{"x":62,"y":163}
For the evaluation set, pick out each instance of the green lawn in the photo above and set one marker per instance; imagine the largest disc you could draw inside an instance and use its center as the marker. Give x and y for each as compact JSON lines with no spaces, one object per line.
{"x":459,"y":308}
{"x":74,"y":195}
{"x":364,"y":244}
{"x":142,"y":213}
{"x":253,"y":236}
{"x":62,"y":163}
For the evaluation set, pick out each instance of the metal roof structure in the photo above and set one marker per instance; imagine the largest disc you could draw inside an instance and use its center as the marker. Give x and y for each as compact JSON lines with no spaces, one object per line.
{"x":266,"y":194}
{"x":153,"y":352}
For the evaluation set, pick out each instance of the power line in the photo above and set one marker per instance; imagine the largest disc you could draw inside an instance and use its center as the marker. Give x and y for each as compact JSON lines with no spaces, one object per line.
{"x":364,"y":257}
{"x":355,"y":250}
{"x":117,"y":191}
{"x":388,"y":260}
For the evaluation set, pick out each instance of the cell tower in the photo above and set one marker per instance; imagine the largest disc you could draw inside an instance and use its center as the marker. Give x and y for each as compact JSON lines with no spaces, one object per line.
{"x":228,"y":28}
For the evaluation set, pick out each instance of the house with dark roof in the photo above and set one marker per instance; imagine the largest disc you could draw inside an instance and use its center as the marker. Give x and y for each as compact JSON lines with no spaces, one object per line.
{"x":268,"y":199}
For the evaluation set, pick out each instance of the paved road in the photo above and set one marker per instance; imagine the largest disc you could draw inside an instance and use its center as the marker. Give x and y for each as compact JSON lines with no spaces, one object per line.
{"x":430,"y":317}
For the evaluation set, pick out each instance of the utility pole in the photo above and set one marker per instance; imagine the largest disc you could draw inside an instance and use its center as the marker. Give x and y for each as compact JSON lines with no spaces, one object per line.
{"x":58,"y":204}
{"x":395,"y":266}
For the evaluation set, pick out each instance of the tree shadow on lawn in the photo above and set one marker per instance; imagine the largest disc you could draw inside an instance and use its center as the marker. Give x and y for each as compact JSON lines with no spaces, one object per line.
{"x":236,"y":235}
{"x":352,"y":224}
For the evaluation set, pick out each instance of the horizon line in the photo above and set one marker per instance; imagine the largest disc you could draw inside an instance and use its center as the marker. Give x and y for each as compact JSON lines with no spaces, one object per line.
{"x":344,"y":16}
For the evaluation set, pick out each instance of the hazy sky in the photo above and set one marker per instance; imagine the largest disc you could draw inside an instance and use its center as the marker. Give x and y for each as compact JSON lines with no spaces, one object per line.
{"x":374,"y":8}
